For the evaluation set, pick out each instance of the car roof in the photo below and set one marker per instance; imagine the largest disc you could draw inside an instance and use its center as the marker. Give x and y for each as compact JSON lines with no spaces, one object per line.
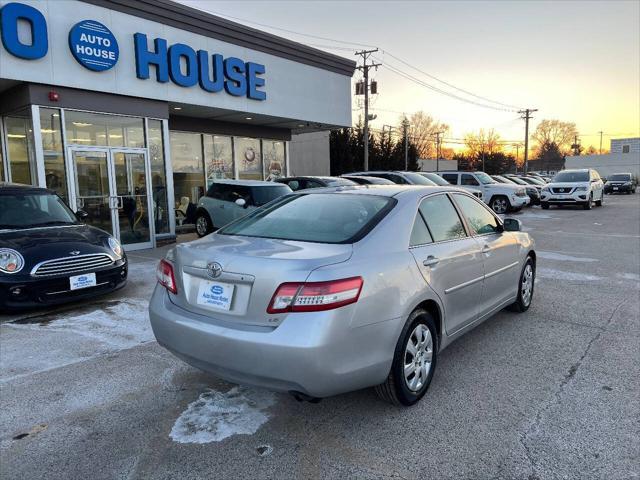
{"x":385,"y":190}
{"x":12,"y":188}
{"x":246,"y":183}
{"x":312,"y":177}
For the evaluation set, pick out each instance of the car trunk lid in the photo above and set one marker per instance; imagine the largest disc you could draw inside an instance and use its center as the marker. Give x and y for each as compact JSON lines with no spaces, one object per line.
{"x":233,"y":278}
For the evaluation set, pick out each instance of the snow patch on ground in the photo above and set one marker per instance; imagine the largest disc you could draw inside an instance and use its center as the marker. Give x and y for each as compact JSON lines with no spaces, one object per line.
{"x":629,"y":276}
{"x":117,"y":326}
{"x":561,"y":275}
{"x":215,"y":416}
{"x":561,"y":257}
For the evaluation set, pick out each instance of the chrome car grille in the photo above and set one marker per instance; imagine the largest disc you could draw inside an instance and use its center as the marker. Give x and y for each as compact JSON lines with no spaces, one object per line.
{"x":81,"y":263}
{"x":561,"y":190}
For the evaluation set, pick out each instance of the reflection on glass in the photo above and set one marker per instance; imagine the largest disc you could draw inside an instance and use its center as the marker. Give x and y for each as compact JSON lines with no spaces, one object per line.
{"x":274,"y":159}
{"x":218,"y":158}
{"x":1,"y":161}
{"x":92,"y":187}
{"x":158,"y":177}
{"x":51,"y":132}
{"x":248,"y":158}
{"x":20,"y":147}
{"x":131,"y":187}
{"x":83,"y":128}
{"x":188,"y":172}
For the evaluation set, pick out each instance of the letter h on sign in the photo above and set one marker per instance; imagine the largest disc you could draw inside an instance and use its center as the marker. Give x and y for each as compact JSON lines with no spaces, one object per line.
{"x":144,"y":58}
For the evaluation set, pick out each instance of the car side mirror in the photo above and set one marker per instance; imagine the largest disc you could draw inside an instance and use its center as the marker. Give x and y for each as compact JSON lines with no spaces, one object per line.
{"x":241,"y":202}
{"x":512,"y":225}
{"x":82,"y":215}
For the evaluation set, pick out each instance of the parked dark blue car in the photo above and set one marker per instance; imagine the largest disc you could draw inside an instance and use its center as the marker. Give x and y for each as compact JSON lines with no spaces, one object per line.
{"x":48,"y":256}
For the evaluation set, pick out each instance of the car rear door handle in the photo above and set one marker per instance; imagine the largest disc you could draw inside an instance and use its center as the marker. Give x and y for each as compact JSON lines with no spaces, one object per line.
{"x":430,"y":261}
{"x":486,"y":249}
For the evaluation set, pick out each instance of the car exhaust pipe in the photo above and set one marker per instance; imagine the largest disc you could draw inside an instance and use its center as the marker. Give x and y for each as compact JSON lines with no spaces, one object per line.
{"x":303,"y":397}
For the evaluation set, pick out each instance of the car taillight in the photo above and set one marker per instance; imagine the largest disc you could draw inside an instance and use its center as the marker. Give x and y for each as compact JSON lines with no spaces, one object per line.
{"x":315,"y":296}
{"x":165,"y":275}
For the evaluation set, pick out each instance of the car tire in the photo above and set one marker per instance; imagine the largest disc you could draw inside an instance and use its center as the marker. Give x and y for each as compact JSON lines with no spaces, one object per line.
{"x":544,"y":205}
{"x":397,"y":388}
{"x":500,"y":204}
{"x":589,"y":203}
{"x":204,"y":225}
{"x":526,"y":284}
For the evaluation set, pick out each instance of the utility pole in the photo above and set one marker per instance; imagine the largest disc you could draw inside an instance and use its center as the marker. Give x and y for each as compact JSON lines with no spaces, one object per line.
{"x":438,"y":151}
{"x":576,"y":146}
{"x":365,"y":71}
{"x":405,"y":132}
{"x":527,"y":116}
{"x":600,"y":132}
{"x":517,"y":155}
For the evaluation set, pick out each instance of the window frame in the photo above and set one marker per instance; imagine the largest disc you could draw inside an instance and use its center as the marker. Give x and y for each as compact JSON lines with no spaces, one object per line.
{"x":455,"y":206}
{"x":470,"y":230}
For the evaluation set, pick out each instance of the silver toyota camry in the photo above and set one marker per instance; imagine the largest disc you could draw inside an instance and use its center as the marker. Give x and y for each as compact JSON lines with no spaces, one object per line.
{"x":331,"y":290}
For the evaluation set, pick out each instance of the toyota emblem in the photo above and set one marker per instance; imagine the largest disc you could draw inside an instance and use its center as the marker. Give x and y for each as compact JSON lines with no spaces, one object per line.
{"x":214,"y":269}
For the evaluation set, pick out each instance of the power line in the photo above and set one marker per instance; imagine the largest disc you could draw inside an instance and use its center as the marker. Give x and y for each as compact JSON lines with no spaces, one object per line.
{"x":449,"y":84}
{"x":443,"y":92}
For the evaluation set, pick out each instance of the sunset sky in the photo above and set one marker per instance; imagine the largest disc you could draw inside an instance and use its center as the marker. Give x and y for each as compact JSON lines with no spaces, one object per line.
{"x":573,"y":61}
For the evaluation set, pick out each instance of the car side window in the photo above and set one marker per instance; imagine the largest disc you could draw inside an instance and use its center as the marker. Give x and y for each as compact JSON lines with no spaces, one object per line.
{"x":313,"y":184}
{"x":294,"y":185}
{"x":420,"y":233}
{"x":468,"y":179}
{"x":214,"y":191}
{"x":442,"y":218}
{"x":481,"y":220}
{"x":452,"y":178}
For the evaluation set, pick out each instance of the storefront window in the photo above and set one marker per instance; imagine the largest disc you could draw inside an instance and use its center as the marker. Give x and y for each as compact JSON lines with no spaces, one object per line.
{"x":274,"y":159}
{"x":50,"y":129}
{"x":188,"y":173}
{"x":158,"y":177}
{"x":218,"y":158}
{"x":248,"y":158}
{"x":98,"y":129}
{"x":20,"y":149}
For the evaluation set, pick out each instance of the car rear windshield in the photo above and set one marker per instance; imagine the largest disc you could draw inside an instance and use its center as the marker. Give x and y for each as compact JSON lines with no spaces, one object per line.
{"x":263,"y":195}
{"x":33,"y":210}
{"x":571,"y":177}
{"x":339,"y":182}
{"x":320,"y":218}
{"x":435,"y":178}
{"x":418,"y":179}
{"x":620,"y":177}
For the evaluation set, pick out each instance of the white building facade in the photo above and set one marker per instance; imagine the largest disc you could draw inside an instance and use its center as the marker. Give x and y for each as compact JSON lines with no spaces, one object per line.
{"x":130,"y":110}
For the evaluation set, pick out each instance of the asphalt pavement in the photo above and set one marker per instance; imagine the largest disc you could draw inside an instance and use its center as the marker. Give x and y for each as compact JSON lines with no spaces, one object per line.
{"x":86,"y":393}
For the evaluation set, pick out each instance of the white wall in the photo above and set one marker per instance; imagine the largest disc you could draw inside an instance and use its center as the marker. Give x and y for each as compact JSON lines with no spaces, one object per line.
{"x":429,"y":165}
{"x":294,"y":90}
{"x":607,"y":164}
{"x":618,"y":143}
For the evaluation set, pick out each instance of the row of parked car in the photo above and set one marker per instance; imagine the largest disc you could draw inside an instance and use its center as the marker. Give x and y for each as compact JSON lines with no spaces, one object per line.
{"x":228,"y":200}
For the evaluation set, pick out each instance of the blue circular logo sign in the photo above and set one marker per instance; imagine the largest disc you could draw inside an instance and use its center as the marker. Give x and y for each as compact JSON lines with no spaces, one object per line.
{"x":93,"y":45}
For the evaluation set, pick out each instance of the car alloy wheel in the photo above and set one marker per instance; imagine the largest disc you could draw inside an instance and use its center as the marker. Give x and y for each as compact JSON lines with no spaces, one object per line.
{"x":527,"y":285}
{"x":417,"y":358}
{"x":202,"y":225}
{"x":499,"y":205}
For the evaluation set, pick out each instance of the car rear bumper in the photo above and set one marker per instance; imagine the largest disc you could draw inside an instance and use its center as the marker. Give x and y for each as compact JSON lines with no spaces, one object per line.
{"x":22,"y":292}
{"x":618,"y":189}
{"x":315,"y":353}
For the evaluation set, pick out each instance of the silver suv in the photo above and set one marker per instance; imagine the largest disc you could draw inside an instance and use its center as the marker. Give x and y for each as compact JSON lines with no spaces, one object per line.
{"x":228,"y":200}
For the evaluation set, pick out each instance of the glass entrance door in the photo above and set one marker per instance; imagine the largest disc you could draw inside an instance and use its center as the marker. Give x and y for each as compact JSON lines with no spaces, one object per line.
{"x":112,"y":186}
{"x":132,"y":203}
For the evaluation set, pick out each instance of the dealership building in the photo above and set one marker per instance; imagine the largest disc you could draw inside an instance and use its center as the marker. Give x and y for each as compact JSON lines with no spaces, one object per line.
{"x":130,"y":109}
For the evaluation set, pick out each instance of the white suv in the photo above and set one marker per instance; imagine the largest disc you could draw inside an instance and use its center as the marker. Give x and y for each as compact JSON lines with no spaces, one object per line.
{"x":501,"y":197}
{"x":573,"y":187}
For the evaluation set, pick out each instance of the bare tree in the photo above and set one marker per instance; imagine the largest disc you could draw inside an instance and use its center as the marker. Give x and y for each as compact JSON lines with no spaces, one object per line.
{"x":558,"y":132}
{"x":482,"y":142}
{"x":422,"y":132}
